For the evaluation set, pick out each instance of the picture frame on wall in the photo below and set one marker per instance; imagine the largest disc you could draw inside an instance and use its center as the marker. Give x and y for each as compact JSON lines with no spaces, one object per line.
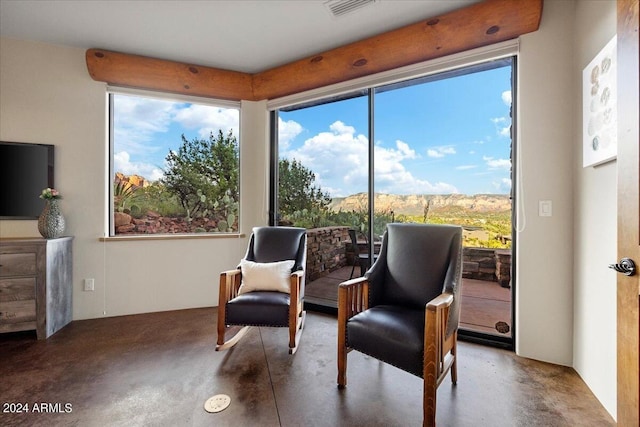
{"x":599,"y":96}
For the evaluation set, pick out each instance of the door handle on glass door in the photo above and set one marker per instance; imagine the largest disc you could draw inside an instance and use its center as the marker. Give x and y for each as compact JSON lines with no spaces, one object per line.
{"x":626,"y":267}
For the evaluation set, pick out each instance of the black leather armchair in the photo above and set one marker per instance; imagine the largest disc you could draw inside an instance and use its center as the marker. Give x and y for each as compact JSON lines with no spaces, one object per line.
{"x":239,"y":312}
{"x":405,"y":310}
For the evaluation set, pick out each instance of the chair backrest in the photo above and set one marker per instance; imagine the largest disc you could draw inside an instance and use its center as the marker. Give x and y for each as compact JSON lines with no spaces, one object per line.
{"x":417,"y":262}
{"x":354,"y":241}
{"x":272,"y":244}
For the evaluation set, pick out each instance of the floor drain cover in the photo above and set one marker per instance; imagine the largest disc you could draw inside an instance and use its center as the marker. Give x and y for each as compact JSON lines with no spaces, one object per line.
{"x":217,"y":403}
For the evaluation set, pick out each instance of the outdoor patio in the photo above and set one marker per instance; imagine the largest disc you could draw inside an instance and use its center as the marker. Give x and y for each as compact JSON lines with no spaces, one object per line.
{"x":485,"y":304}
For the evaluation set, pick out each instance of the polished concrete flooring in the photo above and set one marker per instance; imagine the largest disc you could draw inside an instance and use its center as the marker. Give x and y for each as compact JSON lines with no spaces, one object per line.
{"x":159,"y":369}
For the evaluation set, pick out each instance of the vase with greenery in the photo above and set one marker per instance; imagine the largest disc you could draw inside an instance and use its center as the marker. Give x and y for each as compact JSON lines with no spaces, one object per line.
{"x":51,"y":222}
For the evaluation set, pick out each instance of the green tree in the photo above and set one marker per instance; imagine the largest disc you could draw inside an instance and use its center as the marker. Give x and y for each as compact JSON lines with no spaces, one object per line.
{"x":297,"y":192}
{"x":203,"y":175}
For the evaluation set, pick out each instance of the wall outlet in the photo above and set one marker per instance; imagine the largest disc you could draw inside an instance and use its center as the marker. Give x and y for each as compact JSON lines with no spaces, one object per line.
{"x":89,"y":285}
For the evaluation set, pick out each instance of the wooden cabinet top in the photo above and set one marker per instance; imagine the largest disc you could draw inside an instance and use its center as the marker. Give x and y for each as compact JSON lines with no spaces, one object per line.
{"x":5,"y":241}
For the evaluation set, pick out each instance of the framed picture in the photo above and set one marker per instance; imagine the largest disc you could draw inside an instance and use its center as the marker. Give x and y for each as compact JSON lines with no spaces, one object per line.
{"x":599,"y":114}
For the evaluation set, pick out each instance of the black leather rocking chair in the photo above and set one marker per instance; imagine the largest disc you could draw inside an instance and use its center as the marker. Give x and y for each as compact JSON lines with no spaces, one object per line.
{"x":405,"y":310}
{"x":271,"y":249}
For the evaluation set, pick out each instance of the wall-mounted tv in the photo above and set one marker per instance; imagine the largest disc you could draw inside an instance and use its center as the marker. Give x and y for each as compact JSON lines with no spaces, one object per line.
{"x":25,"y":170}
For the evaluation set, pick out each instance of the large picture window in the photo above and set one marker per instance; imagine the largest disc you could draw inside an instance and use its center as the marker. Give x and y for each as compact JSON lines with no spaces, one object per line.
{"x":175,"y":166}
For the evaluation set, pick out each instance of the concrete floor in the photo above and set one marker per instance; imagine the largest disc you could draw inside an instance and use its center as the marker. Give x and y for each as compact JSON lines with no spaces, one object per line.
{"x":159,"y":369}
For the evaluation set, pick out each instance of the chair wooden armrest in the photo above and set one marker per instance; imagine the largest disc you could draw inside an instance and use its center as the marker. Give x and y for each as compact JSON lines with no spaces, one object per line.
{"x":296,"y":312}
{"x":439,"y":351}
{"x":440,"y":302}
{"x":230,"y":281}
{"x":353,"y":298}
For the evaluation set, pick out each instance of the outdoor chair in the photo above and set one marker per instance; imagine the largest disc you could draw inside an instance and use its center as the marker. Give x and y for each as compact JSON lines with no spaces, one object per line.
{"x":405,"y":310}
{"x":267,"y":288}
{"x":360,"y":258}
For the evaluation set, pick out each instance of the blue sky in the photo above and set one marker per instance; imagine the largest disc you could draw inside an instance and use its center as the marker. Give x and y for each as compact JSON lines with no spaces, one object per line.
{"x":147,"y":129}
{"x":447,"y":136}
{"x":442,"y":137}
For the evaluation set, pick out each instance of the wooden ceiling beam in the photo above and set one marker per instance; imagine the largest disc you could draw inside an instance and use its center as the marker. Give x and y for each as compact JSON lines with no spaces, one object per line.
{"x":122,"y":69}
{"x":477,"y":25}
{"x":480,"y":24}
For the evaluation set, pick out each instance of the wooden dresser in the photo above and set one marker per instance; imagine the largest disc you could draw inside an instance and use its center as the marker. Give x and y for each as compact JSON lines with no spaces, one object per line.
{"x":36,"y":284}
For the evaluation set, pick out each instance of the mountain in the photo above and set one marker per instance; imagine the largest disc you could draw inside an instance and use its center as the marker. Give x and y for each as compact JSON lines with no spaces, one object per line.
{"x":135,"y":181}
{"x":415,"y":204}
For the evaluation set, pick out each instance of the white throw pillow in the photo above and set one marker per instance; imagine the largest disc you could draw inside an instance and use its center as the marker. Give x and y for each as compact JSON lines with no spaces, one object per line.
{"x":269,"y":276}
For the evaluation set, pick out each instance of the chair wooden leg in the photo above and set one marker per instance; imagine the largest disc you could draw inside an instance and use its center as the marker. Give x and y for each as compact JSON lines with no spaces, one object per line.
{"x":342,"y":366}
{"x":429,"y":401}
{"x":295,"y":332}
{"x":342,"y":338}
{"x":454,"y":354}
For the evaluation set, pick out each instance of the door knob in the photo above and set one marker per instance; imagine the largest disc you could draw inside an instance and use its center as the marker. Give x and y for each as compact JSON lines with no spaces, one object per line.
{"x":626,"y":267}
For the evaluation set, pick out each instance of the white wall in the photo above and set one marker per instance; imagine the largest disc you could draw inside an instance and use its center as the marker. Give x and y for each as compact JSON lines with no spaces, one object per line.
{"x":47,"y":96}
{"x":566,"y":301}
{"x":595,"y":226}
{"x":544,"y":273}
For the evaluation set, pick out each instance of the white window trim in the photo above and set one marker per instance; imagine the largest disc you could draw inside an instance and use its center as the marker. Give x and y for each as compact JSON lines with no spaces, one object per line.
{"x":173,"y":97}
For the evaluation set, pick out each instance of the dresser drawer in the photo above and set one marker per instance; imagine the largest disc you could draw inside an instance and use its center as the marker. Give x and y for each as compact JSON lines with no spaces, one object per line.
{"x":17,"y":311}
{"x":17,"y":300}
{"x":18,"y":264}
{"x":17,"y":289}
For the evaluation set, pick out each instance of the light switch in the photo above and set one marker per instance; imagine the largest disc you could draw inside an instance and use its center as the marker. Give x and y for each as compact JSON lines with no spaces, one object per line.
{"x":545,"y":208}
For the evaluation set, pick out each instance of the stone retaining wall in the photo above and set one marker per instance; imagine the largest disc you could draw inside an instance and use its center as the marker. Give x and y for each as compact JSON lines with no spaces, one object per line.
{"x":329,"y":248}
{"x":487,"y":264}
{"x":326,"y":250}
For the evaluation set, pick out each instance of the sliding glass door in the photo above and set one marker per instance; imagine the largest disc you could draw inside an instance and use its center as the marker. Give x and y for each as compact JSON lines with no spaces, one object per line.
{"x":436,"y":149}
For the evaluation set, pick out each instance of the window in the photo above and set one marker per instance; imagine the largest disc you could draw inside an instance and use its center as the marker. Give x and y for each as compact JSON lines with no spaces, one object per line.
{"x":174,"y":166}
{"x":441,"y":152}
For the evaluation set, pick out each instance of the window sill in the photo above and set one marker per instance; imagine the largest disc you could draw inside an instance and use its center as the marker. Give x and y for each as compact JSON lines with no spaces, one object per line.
{"x":138,"y":237}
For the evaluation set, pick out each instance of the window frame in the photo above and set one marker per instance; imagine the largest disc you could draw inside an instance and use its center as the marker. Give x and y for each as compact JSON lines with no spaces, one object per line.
{"x":376,"y":85}
{"x":109,"y":226}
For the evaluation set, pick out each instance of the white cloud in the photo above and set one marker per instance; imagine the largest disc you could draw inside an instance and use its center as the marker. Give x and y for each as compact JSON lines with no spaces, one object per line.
{"x":497,"y":163}
{"x":439,"y":152}
{"x":339,"y":160}
{"x":207,"y":119}
{"x":503,"y":126}
{"x":138,"y":120}
{"x":502,"y":186}
{"x":506,"y":97}
{"x":466,"y":167}
{"x":122,"y":163}
{"x":404,"y":148}
{"x":287,"y":131}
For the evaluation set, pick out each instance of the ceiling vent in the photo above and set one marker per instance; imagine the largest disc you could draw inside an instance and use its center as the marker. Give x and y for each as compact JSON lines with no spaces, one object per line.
{"x":340,"y":8}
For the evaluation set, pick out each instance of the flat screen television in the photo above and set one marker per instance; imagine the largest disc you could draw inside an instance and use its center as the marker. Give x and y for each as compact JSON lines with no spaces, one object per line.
{"x":25,"y":170}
